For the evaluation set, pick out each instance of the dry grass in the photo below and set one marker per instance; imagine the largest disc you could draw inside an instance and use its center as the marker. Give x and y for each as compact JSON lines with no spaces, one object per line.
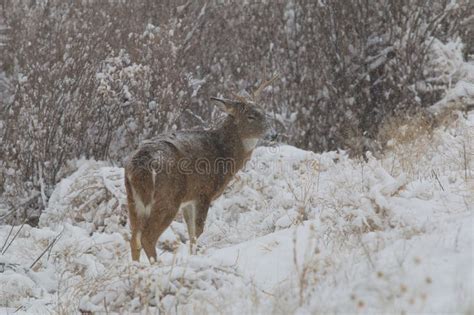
{"x":406,"y":128}
{"x":410,"y":141}
{"x":305,"y":192}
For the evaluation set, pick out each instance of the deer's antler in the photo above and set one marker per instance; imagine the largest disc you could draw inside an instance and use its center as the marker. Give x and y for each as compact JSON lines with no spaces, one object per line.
{"x":263,"y":85}
{"x":240,"y":98}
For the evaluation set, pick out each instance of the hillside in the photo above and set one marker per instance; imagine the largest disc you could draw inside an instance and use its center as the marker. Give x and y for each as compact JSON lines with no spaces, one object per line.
{"x":296,"y":232}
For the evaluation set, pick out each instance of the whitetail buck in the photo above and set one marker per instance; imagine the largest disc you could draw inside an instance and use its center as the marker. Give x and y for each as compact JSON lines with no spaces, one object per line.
{"x":187,"y":170}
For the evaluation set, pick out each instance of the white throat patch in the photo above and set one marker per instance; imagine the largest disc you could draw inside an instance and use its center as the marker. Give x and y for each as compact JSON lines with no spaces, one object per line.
{"x":249,"y":144}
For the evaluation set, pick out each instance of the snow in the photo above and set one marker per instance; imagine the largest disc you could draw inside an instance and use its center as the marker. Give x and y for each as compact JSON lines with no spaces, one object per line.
{"x":457,"y":73}
{"x":296,"y":232}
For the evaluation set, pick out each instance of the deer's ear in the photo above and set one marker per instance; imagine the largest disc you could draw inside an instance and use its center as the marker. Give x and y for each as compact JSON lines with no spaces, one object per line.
{"x":228,"y":106}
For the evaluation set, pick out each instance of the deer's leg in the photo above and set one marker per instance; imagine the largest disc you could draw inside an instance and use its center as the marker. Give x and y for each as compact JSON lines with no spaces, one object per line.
{"x":189,"y":214}
{"x":195,"y":215}
{"x":157,"y":223}
{"x":135,"y":244}
{"x":201,"y":215}
{"x":149,"y":240}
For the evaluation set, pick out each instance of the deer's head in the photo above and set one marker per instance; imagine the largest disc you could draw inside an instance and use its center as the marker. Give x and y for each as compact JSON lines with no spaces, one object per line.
{"x":251,"y":120}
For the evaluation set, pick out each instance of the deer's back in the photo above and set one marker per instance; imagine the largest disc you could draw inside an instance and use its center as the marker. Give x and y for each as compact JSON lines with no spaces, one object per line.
{"x":188,"y":164}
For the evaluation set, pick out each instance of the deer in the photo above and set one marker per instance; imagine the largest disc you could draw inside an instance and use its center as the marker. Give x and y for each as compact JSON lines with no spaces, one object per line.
{"x":187,"y":170}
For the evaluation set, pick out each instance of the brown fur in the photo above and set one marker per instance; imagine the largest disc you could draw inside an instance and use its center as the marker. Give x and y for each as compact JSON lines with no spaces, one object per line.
{"x":175,"y":168}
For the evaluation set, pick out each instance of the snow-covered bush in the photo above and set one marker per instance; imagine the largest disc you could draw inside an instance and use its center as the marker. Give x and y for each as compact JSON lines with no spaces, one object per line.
{"x":449,"y":72}
{"x":91,"y":92}
{"x":93,"y":197}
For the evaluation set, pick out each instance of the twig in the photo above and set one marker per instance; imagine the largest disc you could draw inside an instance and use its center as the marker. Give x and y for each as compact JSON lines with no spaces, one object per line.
{"x":366,"y":252}
{"x":6,"y":215}
{"x":105,"y":306}
{"x":12,"y":211}
{"x":465,"y":160}
{"x":6,"y":240}
{"x":14,"y":237}
{"x":47,"y":248}
{"x":456,"y":240}
{"x":197,"y":117}
{"x":439,"y":182}
{"x":19,"y":308}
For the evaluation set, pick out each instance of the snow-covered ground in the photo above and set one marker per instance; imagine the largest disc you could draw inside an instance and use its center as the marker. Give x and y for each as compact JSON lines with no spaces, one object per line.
{"x":296,"y":232}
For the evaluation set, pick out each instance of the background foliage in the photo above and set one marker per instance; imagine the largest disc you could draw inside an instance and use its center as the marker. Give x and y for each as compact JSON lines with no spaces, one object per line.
{"x":93,"y":78}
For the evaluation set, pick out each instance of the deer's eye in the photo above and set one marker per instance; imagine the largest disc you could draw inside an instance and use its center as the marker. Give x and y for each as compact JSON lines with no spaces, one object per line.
{"x":251,"y":118}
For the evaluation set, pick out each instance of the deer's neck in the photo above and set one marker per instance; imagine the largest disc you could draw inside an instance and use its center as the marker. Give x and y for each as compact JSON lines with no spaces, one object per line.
{"x":249,"y":144}
{"x":232,"y":137}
